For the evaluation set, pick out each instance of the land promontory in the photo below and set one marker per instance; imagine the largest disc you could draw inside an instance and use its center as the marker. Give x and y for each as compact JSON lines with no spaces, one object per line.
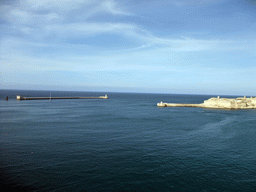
{"x":218,"y":103}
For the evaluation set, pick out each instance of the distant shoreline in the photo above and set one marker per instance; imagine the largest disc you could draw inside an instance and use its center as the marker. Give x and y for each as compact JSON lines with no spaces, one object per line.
{"x":218,"y":103}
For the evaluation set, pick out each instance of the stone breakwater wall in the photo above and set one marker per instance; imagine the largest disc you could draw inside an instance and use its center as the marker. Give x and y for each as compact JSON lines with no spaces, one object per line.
{"x":49,"y":98}
{"x":218,"y":103}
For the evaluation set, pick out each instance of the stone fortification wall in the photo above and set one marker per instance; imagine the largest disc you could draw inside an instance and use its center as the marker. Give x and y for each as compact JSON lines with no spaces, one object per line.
{"x":219,"y":103}
{"x":252,"y":102}
{"x":230,"y":103}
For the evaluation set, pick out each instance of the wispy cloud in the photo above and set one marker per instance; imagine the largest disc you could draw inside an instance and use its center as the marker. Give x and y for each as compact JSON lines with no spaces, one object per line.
{"x":180,"y":3}
{"x":63,"y":37}
{"x":56,"y":4}
{"x":28,"y":11}
{"x":111,"y":6}
{"x":39,"y":18}
{"x":90,"y":28}
{"x":42,"y":20}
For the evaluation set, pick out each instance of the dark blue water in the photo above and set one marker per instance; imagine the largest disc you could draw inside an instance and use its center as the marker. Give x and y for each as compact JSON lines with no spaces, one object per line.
{"x":125,"y":143}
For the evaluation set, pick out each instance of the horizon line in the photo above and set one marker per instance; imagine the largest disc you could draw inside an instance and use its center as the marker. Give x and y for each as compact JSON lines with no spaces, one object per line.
{"x":127,"y":92}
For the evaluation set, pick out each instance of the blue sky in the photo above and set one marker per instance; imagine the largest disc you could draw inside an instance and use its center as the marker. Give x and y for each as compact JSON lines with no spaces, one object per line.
{"x":151,"y":46}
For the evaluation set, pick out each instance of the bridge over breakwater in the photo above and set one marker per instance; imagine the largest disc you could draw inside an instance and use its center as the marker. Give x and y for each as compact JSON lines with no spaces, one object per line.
{"x":218,"y":103}
{"x":50,"y":98}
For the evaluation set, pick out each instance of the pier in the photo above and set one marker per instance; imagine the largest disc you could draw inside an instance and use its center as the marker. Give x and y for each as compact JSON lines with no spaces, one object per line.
{"x":161,"y":104}
{"x":50,"y":98}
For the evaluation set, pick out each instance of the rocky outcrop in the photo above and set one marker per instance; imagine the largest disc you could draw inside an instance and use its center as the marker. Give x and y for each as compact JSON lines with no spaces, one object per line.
{"x":218,"y":103}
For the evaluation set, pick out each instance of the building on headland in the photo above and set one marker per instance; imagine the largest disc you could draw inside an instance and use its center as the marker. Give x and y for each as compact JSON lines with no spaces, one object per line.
{"x":104,"y":97}
{"x":238,"y":103}
{"x":19,"y":97}
{"x":219,"y":103}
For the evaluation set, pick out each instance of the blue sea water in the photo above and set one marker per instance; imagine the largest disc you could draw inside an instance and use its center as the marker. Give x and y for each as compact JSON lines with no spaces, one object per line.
{"x":125,"y":143}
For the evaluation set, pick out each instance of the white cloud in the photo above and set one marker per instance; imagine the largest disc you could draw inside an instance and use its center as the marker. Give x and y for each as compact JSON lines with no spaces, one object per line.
{"x":144,"y":37}
{"x":34,"y":12}
{"x":85,"y":29}
{"x":140,"y":35}
{"x":111,"y":6}
{"x":108,"y":6}
{"x":22,"y":17}
{"x":46,"y":19}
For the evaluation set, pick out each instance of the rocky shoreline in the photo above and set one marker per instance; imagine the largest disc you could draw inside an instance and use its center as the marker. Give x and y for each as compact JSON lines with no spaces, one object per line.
{"x":218,"y":103}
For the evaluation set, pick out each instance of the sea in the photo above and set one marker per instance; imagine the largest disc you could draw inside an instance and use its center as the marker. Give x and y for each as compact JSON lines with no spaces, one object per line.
{"x":124,"y":143}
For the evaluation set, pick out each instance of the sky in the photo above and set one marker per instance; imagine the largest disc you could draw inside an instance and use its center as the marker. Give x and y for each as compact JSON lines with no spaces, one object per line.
{"x":146,"y":46}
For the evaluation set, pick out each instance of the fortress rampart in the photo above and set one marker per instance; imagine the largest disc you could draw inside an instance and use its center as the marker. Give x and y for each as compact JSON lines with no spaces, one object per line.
{"x":218,"y":103}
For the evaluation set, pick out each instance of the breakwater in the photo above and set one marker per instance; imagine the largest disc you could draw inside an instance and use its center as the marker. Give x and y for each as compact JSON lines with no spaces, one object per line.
{"x":50,"y":98}
{"x":218,"y":103}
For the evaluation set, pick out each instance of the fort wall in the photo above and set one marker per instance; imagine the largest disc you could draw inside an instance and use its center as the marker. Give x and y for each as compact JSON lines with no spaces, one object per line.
{"x":221,"y":103}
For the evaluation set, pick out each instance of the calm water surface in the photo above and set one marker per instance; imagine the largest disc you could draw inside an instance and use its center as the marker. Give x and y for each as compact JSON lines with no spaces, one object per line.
{"x":124,"y":143}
